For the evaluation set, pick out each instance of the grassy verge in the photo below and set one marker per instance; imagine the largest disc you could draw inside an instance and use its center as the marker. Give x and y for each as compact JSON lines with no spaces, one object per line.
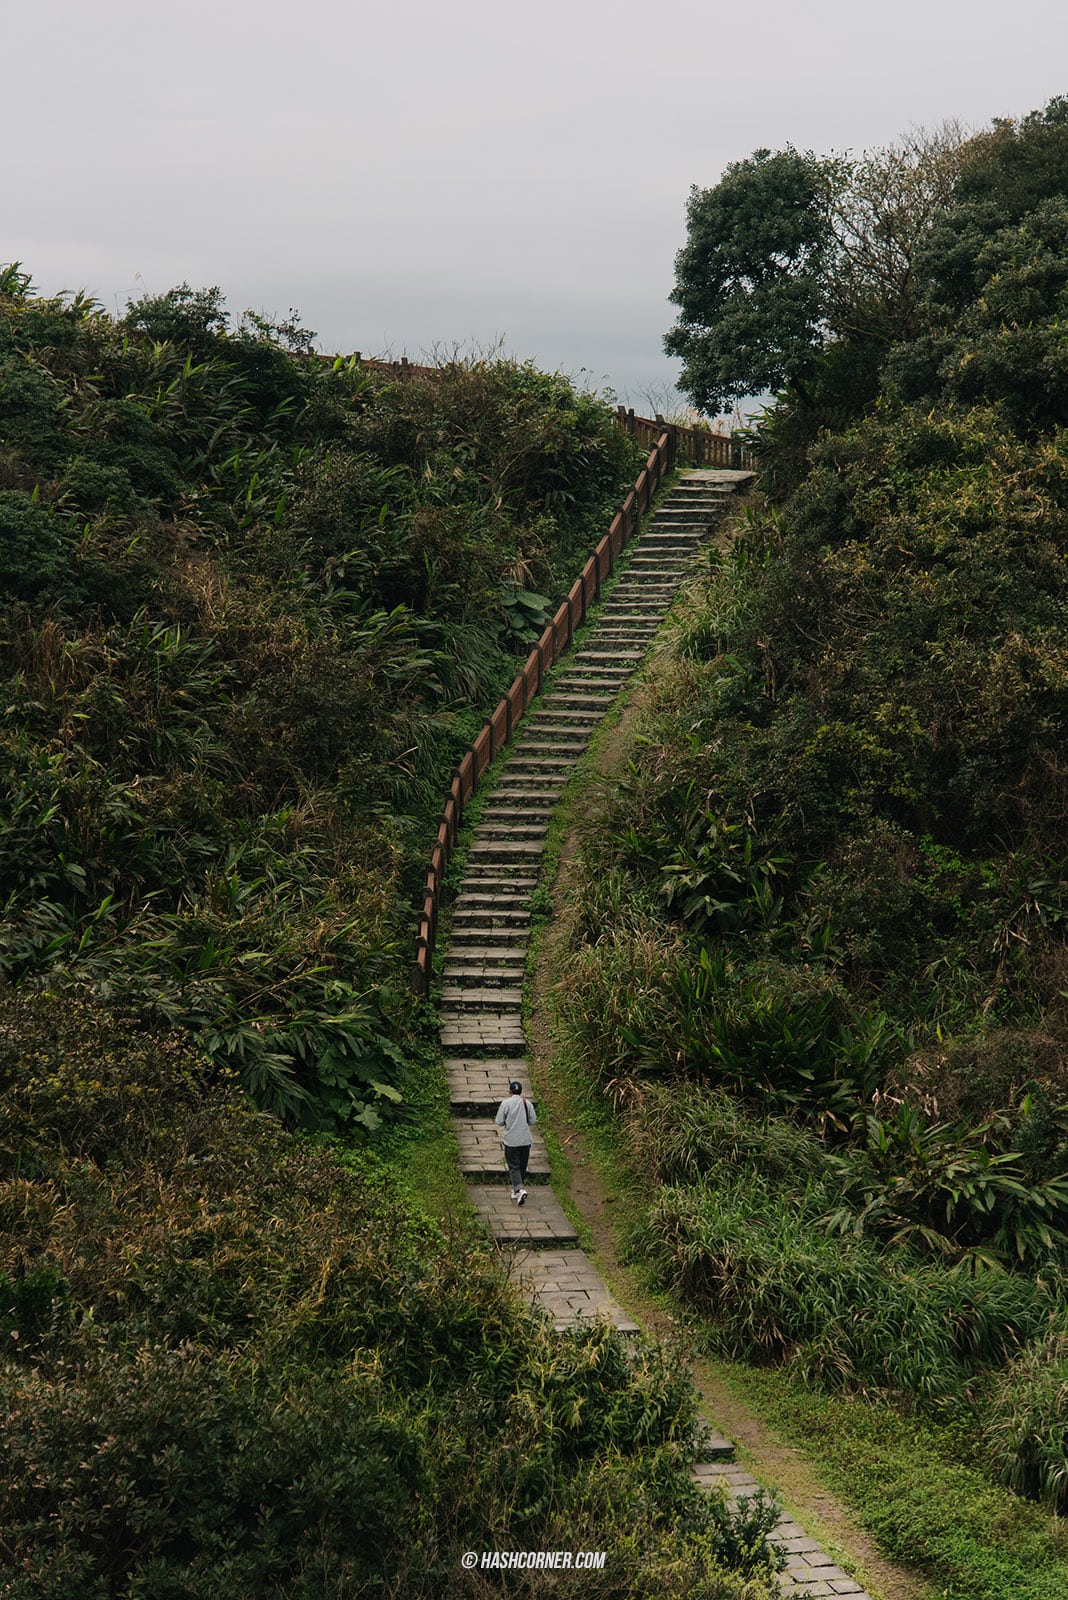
{"x":914,"y":1485}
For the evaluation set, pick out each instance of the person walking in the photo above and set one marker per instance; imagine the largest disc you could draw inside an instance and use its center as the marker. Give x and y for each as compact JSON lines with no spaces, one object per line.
{"x":516,"y":1116}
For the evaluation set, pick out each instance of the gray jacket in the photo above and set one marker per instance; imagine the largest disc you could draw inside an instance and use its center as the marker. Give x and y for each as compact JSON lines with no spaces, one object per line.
{"x":516,"y":1116}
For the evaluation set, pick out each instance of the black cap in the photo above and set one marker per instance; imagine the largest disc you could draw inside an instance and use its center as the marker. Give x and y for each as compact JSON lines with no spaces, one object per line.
{"x":515,"y":1087}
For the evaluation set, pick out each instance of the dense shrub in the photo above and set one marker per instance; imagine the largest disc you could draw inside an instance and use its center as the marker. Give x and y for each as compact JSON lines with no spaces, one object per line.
{"x":258,"y":602}
{"x":230,"y":1359}
{"x":750,"y":1225}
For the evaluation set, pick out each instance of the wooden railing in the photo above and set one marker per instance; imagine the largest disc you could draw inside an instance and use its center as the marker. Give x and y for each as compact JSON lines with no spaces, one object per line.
{"x":697,"y":447}
{"x":670,"y":445}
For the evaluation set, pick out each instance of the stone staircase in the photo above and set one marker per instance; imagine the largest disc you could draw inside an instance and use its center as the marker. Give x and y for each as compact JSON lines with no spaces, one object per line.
{"x":481,"y":1000}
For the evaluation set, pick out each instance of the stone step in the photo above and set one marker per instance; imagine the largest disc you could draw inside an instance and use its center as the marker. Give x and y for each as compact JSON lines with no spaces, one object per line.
{"x":566,"y":1284}
{"x":475,"y":938}
{"x":473,"y":954}
{"x":605,"y":657}
{"x":539,"y":1224}
{"x":615,"y":619}
{"x":520,"y":805}
{"x":589,"y":700}
{"x":690,"y":522}
{"x":566,"y":745}
{"x":674,"y":538}
{"x":540,"y":765}
{"x":489,"y":920}
{"x":713,"y":1445}
{"x":461,"y":973}
{"x":482,"y":1154}
{"x":695,"y":503}
{"x":521,"y":854}
{"x":509,"y":829}
{"x":458,"y":1000}
{"x":488,"y":1034}
{"x":551,"y":726}
{"x":637,"y":621}
{"x":598,"y":671}
{"x":520,"y":783}
{"x":563,"y":711}
{"x":482,"y":964}
{"x":486,"y":871}
{"x":625,"y":634}
{"x":597,"y":701}
{"x":575,"y":683}
{"x":499,"y":894}
{"x":478,"y":1084}
{"x":687,"y":488}
{"x":567,"y":750}
{"x":647,"y":590}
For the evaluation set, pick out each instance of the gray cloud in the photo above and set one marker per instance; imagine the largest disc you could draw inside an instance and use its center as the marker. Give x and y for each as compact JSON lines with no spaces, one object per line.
{"x":442,"y":175}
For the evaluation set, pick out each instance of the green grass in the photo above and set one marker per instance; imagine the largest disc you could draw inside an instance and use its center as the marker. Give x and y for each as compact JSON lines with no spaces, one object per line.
{"x":916,"y":1487}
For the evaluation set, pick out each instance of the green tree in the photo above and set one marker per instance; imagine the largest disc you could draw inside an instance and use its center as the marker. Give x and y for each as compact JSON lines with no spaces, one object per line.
{"x":749,"y":278}
{"x":792,"y":254}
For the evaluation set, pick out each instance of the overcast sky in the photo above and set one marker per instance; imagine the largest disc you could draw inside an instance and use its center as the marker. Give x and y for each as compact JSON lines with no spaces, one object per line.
{"x":422,"y":175}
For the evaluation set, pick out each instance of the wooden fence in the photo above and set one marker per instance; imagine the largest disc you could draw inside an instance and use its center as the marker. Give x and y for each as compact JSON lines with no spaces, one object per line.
{"x":671,"y":445}
{"x":697,"y":447}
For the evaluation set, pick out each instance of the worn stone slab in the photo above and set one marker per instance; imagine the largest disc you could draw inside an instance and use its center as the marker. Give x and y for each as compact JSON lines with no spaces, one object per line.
{"x":478,"y":1085}
{"x":522,"y":797}
{"x":482,"y":1035}
{"x":518,"y":853}
{"x":477,"y":1001}
{"x":714,"y":1447}
{"x":481,"y":964}
{"x":540,"y":1223}
{"x":567,"y":1285}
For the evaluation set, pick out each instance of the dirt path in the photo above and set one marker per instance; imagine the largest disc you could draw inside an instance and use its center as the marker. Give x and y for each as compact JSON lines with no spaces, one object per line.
{"x":763,"y":1452}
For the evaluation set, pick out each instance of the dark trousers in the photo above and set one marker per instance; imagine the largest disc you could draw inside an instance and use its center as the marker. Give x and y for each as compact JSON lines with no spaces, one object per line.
{"x":517,"y":1156}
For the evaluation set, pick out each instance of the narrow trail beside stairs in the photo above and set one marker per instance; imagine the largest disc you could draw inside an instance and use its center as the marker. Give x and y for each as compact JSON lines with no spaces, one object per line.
{"x":482,"y":1031}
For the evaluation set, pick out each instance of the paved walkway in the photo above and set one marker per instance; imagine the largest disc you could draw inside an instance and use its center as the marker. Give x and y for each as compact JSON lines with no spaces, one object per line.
{"x":481,"y":1008}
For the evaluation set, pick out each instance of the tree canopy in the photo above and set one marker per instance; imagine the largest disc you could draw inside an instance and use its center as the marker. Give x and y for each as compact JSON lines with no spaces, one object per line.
{"x":791,"y":252}
{"x":748,"y":278}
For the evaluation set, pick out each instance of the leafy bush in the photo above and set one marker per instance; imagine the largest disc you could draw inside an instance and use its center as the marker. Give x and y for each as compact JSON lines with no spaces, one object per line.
{"x":239,"y":1360}
{"x":260,"y":596}
{"x":1026,"y":1430}
{"x":742,"y":1225}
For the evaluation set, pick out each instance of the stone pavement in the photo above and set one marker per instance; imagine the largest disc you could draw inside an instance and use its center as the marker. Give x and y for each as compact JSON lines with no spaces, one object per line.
{"x":481,"y":1008}
{"x":567,"y":1284}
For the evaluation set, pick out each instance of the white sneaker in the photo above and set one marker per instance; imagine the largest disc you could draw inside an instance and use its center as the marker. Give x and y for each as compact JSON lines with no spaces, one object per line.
{"x":514,"y":1196}
{"x":520,"y":1197}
